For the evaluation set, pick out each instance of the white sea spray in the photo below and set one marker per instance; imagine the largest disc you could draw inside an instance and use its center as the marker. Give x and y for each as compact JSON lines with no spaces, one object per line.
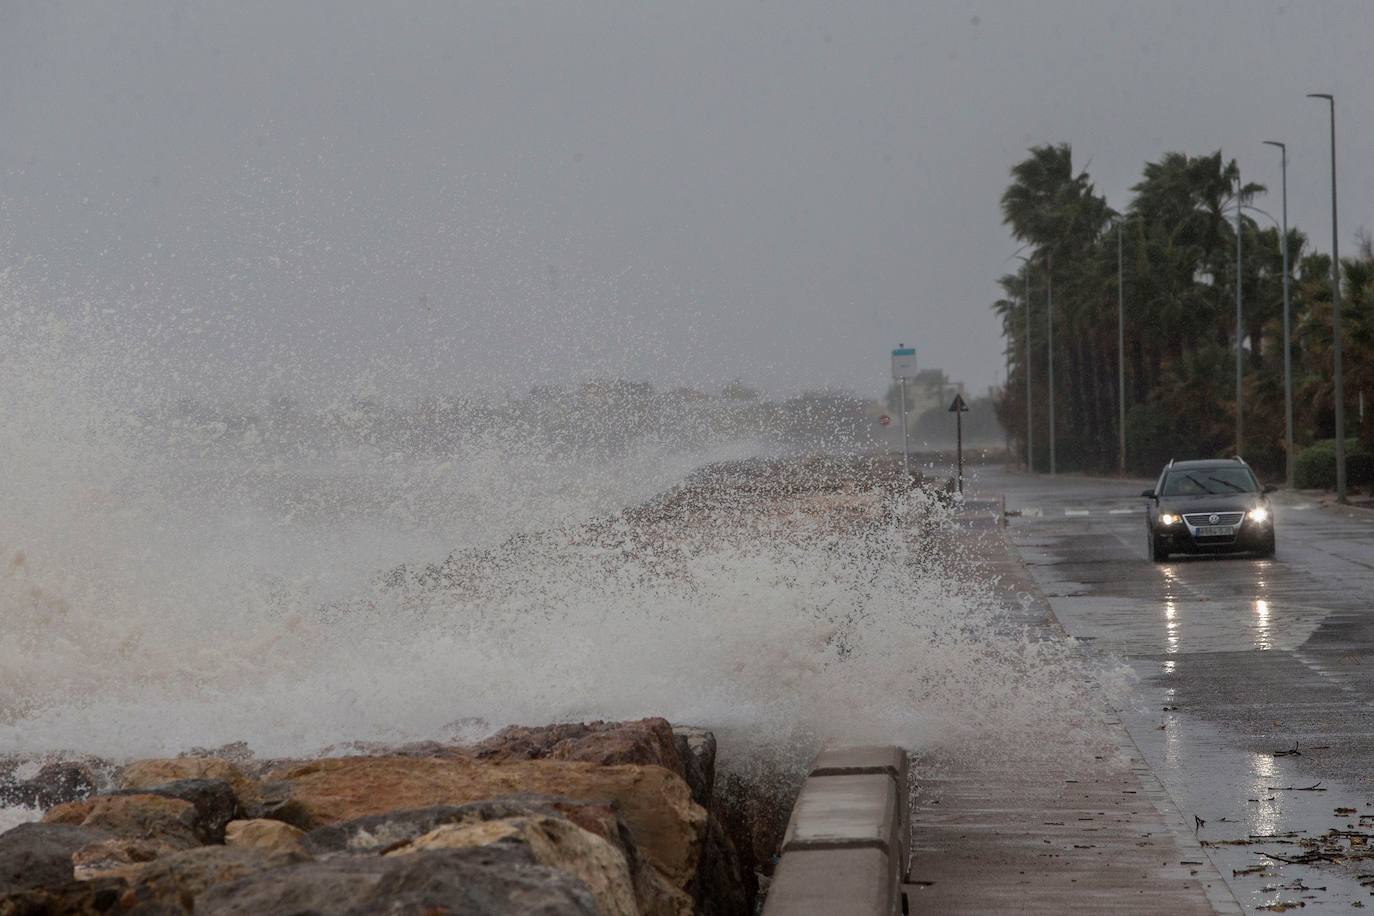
{"x":170,"y":579}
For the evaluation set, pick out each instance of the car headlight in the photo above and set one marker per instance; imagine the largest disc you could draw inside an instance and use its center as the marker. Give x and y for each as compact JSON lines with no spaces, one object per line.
{"x":1168,"y":518}
{"x":1260,"y":515}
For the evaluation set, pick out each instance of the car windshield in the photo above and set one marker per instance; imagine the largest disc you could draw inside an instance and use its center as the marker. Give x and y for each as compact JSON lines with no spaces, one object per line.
{"x":1209,"y":481}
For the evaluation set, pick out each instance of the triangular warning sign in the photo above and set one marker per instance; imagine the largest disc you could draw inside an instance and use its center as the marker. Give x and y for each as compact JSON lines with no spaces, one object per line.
{"x":958,"y":405}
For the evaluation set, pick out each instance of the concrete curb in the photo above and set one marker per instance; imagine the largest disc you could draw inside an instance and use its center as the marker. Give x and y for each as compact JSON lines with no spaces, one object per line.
{"x":849,"y":838}
{"x":1355,"y":510}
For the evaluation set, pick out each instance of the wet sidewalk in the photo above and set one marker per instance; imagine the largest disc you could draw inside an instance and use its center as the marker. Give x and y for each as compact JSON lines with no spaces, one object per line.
{"x":1088,"y":832}
{"x":1092,"y":839}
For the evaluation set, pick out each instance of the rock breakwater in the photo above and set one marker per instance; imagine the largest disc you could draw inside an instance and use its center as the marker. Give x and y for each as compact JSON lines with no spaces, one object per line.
{"x":608,"y":818}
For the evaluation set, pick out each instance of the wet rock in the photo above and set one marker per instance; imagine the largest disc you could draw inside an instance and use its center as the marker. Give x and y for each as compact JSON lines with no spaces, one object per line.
{"x":147,"y":774}
{"x":754,"y":813}
{"x":33,"y":855}
{"x":696,"y":748}
{"x":642,"y":742}
{"x":170,"y":821}
{"x":272,"y":836}
{"x":156,"y":884}
{"x":552,"y":841}
{"x":333,"y":886}
{"x":380,"y":833}
{"x":726,"y":884}
{"x":53,"y":784}
{"x":214,"y":800}
{"x":668,"y":827}
{"x":181,"y":878}
{"x":383,"y":832}
{"x":117,"y":857}
{"x":656,"y":897}
{"x":273,"y":801}
{"x":486,"y":881}
{"x":78,"y":898}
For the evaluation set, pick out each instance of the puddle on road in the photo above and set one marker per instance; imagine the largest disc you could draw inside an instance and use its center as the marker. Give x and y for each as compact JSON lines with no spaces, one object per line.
{"x":1275,"y":835}
{"x":1173,"y":626}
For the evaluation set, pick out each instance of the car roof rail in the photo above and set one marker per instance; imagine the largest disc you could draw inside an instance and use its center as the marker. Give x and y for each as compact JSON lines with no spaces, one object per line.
{"x":1170,"y":464}
{"x":1238,"y":458}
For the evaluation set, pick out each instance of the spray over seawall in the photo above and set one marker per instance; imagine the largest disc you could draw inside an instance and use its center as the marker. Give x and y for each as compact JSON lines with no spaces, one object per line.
{"x":176,"y":576}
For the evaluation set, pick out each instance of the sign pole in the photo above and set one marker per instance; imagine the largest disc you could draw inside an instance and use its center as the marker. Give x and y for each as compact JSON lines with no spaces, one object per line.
{"x":959,"y":438}
{"x":959,"y":408}
{"x":903,"y":368}
{"x":906,"y":448}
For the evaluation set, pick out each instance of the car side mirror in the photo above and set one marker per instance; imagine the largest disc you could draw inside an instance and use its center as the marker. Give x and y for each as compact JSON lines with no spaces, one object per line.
{"x":1269,"y":488}
{"x":1148,"y":494}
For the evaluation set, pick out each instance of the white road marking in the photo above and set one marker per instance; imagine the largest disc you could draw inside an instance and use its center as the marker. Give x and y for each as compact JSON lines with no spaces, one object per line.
{"x":1077,"y":512}
{"x":1031,"y":512}
{"x":1122,"y":511}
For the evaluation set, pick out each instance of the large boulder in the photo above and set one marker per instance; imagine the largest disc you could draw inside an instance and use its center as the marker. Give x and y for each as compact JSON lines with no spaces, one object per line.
{"x":380,"y":833}
{"x":271,"y":836}
{"x":34,"y":855}
{"x":146,"y":824}
{"x":696,"y":748}
{"x":643,"y":742}
{"x":272,"y":801}
{"x":181,"y":878}
{"x":486,"y":881}
{"x":726,"y":883}
{"x":552,"y":841}
{"x":158,"y":771}
{"x":117,"y":857}
{"x":100,"y":897}
{"x":169,"y":821}
{"x":668,"y":827}
{"x":214,"y":800}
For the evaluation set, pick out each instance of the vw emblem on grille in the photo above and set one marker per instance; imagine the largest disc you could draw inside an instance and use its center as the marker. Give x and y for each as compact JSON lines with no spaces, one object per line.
{"x":1214,"y":518}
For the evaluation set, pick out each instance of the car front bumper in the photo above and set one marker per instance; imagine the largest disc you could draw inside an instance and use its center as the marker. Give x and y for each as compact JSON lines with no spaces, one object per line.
{"x":1251,"y":536}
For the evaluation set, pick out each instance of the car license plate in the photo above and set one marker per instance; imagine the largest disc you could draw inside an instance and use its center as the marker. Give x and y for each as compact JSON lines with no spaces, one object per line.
{"x":1216,"y":531}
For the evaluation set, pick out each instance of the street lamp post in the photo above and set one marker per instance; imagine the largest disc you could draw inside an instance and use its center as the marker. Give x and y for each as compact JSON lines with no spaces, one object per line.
{"x":1240,"y":315}
{"x":1121,"y":348}
{"x":1339,"y":393}
{"x":1287,"y":344}
{"x":1049,"y":318}
{"x":1030,"y":427}
{"x":1240,"y":329}
{"x":1030,"y":452}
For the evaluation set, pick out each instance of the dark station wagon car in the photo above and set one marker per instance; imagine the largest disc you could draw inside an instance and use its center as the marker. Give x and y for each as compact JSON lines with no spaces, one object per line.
{"x":1214,"y":506}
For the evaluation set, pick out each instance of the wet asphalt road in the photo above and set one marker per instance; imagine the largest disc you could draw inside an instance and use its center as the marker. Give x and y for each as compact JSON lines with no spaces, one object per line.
{"x":1239,"y":662}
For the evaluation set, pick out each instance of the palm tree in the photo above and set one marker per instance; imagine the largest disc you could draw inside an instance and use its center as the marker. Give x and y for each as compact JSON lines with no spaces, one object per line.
{"x":1057,"y":212}
{"x":1050,"y":206}
{"x":1180,"y":331}
{"x":1357,"y":340}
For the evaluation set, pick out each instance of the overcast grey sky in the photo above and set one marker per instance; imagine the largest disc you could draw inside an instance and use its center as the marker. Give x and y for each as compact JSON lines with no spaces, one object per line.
{"x":464,"y":195}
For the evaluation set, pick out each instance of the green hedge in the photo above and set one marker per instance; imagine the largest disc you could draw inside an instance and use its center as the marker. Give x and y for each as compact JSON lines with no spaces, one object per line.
{"x":1315,"y":466}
